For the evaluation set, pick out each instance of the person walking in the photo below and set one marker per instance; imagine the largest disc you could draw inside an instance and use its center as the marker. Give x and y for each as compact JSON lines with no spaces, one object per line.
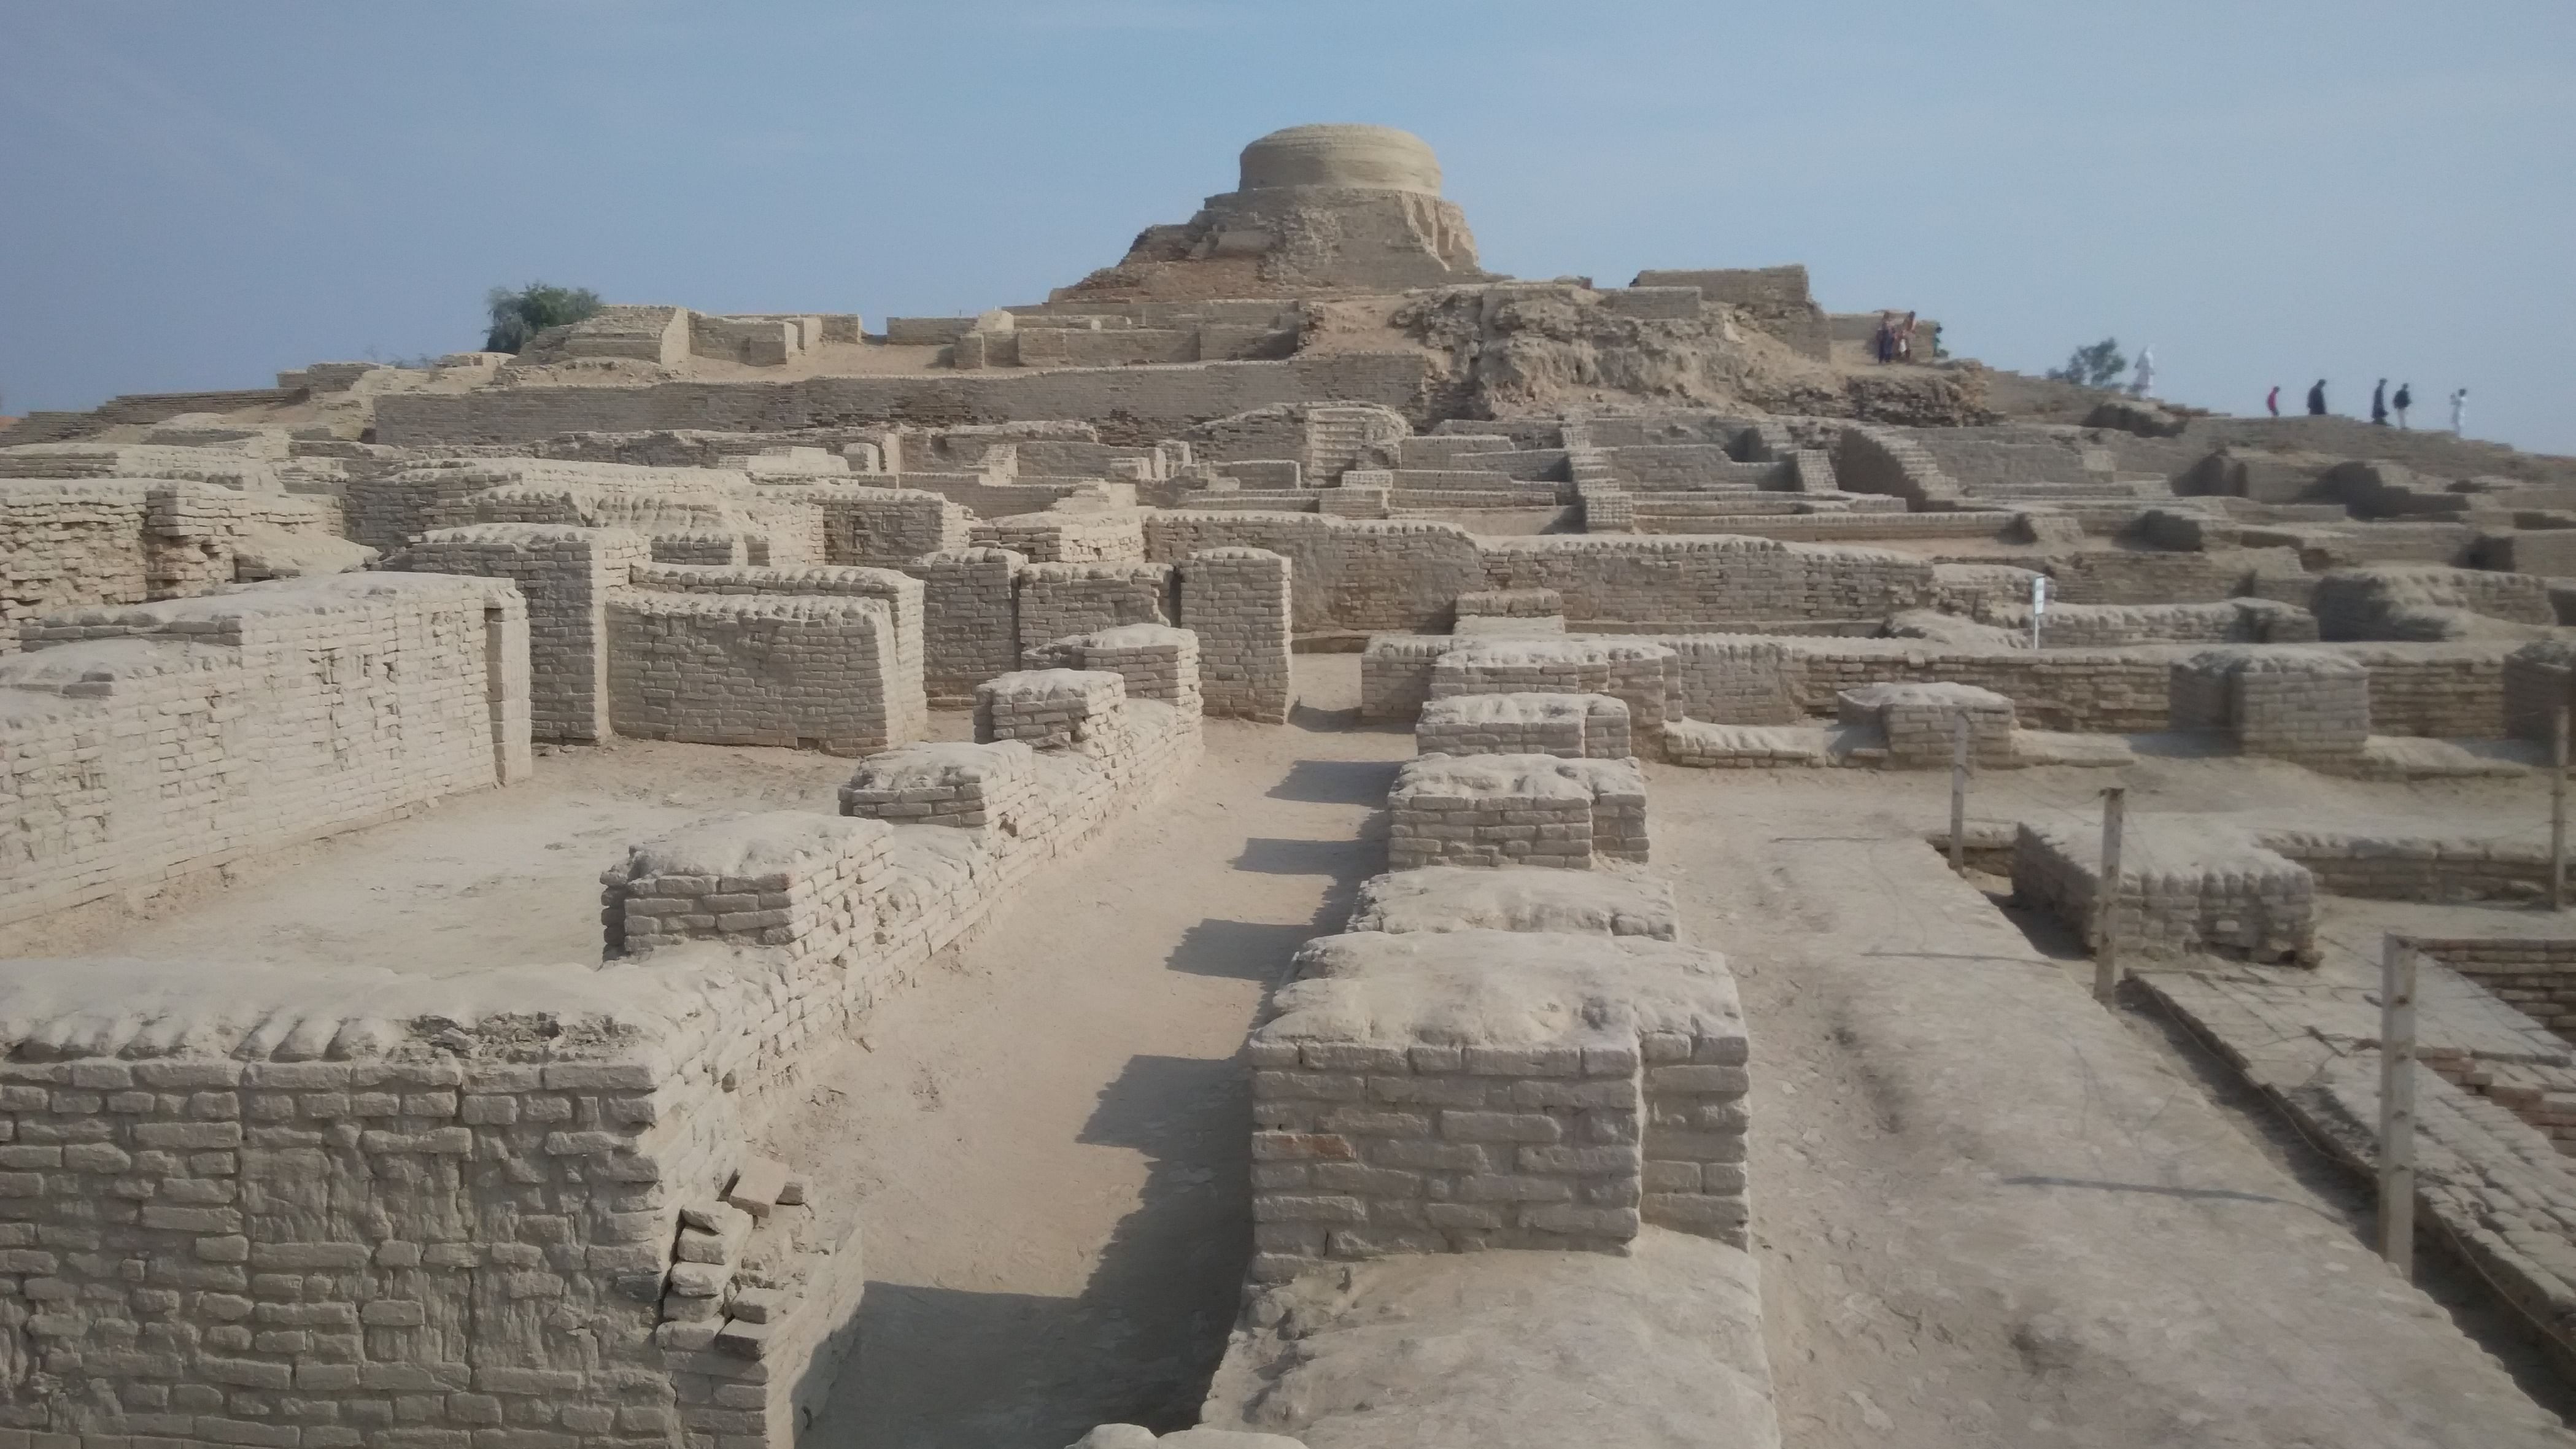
{"x":2317,"y":399}
{"x":2405,"y":399}
{"x":2459,"y":411}
{"x":2272,"y":400}
{"x":2379,"y":404}
{"x":2143,"y":385}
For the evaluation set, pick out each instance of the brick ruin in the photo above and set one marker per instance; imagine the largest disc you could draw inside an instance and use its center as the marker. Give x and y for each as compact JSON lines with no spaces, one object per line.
{"x":523,"y":1205}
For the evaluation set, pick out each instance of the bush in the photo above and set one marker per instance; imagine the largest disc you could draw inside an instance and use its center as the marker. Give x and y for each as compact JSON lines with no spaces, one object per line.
{"x":520,"y":315}
{"x":2099,"y":365}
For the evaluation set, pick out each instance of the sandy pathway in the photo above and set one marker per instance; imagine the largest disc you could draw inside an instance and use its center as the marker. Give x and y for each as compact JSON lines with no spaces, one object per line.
{"x":1048,"y":1129}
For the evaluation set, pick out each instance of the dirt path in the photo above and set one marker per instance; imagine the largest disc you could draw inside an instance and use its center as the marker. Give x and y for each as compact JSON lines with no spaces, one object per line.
{"x":1048,"y":1129}
{"x":1991,"y":1212}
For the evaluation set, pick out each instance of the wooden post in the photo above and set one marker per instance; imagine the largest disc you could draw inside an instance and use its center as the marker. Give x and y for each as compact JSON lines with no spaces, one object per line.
{"x":1959,"y":795}
{"x":2397,"y":1104}
{"x":2106,"y":899}
{"x":2558,"y":808}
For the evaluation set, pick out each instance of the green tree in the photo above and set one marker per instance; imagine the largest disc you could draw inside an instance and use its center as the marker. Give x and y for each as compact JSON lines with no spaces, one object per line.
{"x":522,"y":314}
{"x":2099,"y":365}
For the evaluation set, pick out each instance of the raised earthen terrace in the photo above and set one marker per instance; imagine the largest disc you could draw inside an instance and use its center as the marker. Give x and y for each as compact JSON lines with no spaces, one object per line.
{"x":1301,"y":843}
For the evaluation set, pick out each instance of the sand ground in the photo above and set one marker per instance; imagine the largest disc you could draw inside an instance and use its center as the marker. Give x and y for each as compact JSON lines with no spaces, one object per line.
{"x":1988,"y":1211}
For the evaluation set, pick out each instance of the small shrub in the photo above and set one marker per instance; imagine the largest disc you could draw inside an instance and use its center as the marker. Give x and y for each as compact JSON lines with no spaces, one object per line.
{"x":522,"y":314}
{"x":2099,"y":365}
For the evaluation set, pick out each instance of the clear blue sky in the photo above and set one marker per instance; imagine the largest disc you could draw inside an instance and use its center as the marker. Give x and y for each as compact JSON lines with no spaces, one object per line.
{"x":196,"y":195}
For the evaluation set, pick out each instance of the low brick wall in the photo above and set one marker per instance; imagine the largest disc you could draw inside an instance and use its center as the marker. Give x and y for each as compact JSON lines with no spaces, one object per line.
{"x":2537,"y":974}
{"x":809,"y":672}
{"x":1385,"y":1123}
{"x":146,"y":741}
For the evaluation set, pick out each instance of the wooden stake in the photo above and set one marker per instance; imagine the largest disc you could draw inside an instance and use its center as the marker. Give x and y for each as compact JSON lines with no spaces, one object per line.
{"x":2106,"y":902}
{"x":2397,"y":1104}
{"x":2558,"y":808}
{"x":1959,"y":795}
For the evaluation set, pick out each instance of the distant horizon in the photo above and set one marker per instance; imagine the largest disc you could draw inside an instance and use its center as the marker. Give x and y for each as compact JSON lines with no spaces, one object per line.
{"x":201,"y":199}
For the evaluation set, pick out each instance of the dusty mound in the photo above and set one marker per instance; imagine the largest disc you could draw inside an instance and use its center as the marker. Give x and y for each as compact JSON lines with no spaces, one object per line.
{"x":1547,"y":348}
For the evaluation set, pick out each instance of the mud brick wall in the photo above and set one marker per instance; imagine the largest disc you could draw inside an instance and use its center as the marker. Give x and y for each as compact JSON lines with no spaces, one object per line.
{"x":1240,"y":603}
{"x":1677,"y":582}
{"x":2415,"y":868}
{"x":1402,"y":1105}
{"x":1516,"y":810}
{"x":1919,"y":721}
{"x":700,"y":548}
{"x":2185,"y":886}
{"x":778,"y":879}
{"x":144,"y":742}
{"x":389,"y":510}
{"x":962,"y":786}
{"x":1735,"y":679}
{"x":2538,"y":681}
{"x":1346,"y":574}
{"x":885,"y":527}
{"x":1157,"y":402}
{"x":1694,"y":1143}
{"x":2435,"y":690}
{"x":807,"y":672}
{"x":1117,"y":537}
{"x":1058,"y":600}
{"x":1366,"y":1149}
{"x":1510,"y":604}
{"x":1568,"y":726}
{"x":907,"y":707}
{"x":321,"y":1253}
{"x":2120,"y":577}
{"x":2537,"y":974}
{"x":1395,"y":674}
{"x":2094,"y":691}
{"x":566,"y":575}
{"x":1441,"y":817}
{"x":1058,"y":709}
{"x":970,"y":619}
{"x":69,"y":543}
{"x":1155,"y":662}
{"x":1636,"y":673}
{"x":2292,"y":704}
{"x":2094,"y":626}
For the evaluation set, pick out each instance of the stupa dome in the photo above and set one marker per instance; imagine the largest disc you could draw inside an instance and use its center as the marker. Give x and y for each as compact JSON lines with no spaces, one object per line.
{"x":1375,"y":157}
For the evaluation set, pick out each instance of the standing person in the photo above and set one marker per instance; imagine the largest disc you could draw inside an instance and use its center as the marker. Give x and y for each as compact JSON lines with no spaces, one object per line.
{"x":2459,"y":410}
{"x":2317,"y":399}
{"x":1882,"y":343}
{"x":2144,"y":384}
{"x":2405,"y":399}
{"x":1905,"y":339}
{"x":2379,"y":404}
{"x":2272,"y":400}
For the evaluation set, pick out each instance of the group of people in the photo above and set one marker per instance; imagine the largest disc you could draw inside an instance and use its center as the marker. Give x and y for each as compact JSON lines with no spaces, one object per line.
{"x":1894,"y":340}
{"x":2381,"y":404}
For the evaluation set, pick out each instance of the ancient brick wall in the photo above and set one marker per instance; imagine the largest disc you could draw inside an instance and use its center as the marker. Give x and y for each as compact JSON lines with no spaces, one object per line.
{"x":792,"y":671}
{"x":1057,"y":600}
{"x":566,"y":576}
{"x":970,"y":619}
{"x":1240,"y":602}
{"x":147,"y":740}
{"x":907,"y":706}
{"x":1161,"y":402}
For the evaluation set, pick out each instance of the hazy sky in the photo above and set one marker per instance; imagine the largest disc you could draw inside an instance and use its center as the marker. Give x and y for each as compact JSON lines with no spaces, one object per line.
{"x":196,"y":195}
